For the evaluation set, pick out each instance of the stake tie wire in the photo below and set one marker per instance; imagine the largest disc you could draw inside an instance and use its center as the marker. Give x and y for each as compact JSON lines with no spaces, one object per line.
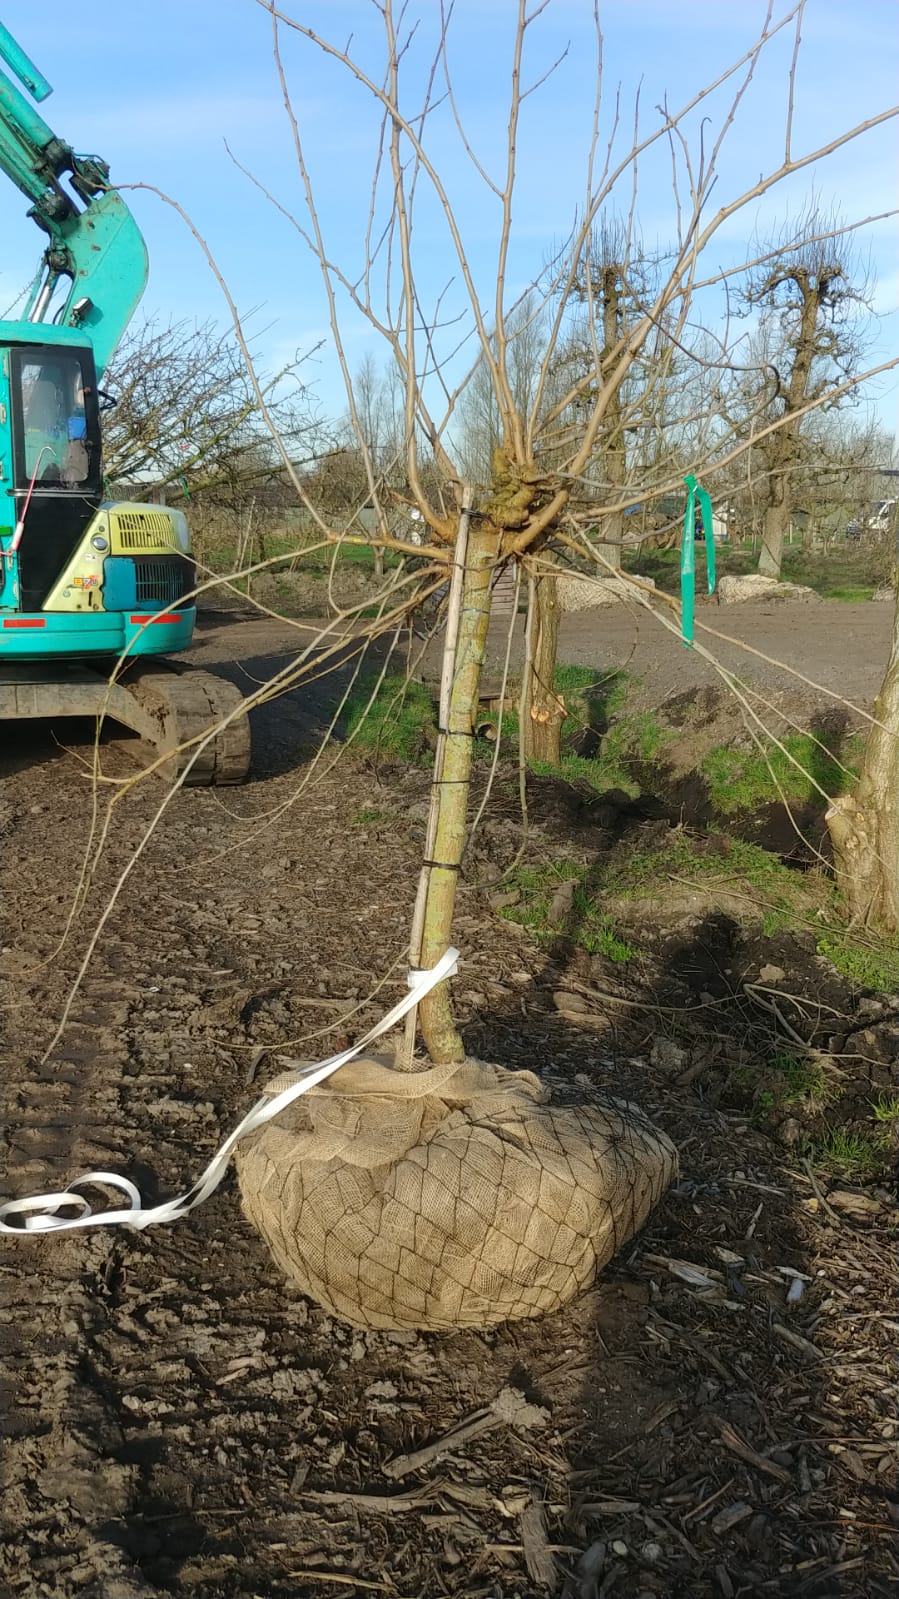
{"x":40,"y":1213}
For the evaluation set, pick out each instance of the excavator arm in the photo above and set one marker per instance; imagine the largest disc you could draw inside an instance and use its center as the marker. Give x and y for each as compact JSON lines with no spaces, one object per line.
{"x":96,"y":254}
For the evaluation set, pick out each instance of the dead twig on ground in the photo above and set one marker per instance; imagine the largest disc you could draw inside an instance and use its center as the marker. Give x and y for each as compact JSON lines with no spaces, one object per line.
{"x":509,"y":1408}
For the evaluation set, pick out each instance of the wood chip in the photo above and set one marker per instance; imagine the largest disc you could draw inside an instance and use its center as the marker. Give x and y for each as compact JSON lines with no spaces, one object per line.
{"x":669,"y":1408}
{"x":732,"y":1441}
{"x":509,"y":1408}
{"x":537,"y":1555}
{"x":610,"y":1507}
{"x":854,"y":1203}
{"x":343,"y":1579}
{"x":379,"y":1504}
{"x":700,"y":1277}
{"x":788,"y":1336}
{"x":730,"y":1517}
{"x":853,"y":1463}
{"x":722,"y":1578}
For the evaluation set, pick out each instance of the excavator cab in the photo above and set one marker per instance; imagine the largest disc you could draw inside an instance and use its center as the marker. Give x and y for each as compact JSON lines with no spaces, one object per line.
{"x":95,"y":576}
{"x":50,"y":451}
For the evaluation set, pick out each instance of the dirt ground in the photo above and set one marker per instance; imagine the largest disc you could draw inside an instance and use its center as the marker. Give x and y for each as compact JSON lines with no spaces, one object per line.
{"x":721,"y":1408}
{"x":844,"y":647}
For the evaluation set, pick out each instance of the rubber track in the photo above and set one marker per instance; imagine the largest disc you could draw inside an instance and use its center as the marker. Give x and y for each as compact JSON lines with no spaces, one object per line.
{"x":230,"y":749}
{"x":194,"y":701}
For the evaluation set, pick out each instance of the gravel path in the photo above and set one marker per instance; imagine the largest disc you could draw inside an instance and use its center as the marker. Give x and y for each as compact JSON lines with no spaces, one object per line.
{"x":843,"y":647}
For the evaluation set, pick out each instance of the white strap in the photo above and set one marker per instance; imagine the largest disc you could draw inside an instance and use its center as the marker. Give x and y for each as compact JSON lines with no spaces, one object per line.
{"x":40,"y":1213}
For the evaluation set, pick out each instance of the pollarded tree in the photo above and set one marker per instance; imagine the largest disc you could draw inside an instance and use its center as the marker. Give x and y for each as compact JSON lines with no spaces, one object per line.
{"x":616,"y":284}
{"x":811,"y":303}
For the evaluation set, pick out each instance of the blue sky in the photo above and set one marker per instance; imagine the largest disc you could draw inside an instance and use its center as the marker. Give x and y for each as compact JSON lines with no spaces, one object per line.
{"x":158,"y":88}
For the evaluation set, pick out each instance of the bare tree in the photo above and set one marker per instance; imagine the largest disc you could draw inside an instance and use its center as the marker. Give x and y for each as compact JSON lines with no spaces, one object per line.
{"x":613,"y":291}
{"x":525,"y":503}
{"x":810,"y":341}
{"x":479,"y":426}
{"x":186,"y":409}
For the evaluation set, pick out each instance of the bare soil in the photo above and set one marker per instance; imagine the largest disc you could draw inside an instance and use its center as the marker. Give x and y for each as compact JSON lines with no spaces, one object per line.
{"x":722,"y":1415}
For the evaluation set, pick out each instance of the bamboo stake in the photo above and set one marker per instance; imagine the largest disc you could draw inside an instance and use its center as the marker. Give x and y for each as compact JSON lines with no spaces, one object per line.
{"x":454,"y":612}
{"x":438,"y":1027}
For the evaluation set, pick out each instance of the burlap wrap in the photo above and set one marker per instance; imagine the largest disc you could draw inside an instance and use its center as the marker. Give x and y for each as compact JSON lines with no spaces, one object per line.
{"x":454,"y":1197}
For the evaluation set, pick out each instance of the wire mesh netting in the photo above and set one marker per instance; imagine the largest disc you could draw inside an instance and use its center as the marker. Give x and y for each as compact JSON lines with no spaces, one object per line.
{"x":454,"y":1197}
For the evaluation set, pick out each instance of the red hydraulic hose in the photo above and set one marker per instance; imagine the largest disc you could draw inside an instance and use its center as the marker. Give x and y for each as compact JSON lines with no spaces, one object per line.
{"x":20,"y":525}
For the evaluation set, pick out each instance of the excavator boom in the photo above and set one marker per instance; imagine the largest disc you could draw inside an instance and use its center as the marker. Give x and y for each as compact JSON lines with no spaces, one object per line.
{"x":95,"y":251}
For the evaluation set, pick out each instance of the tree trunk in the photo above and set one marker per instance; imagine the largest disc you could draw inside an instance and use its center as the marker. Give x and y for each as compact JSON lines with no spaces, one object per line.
{"x":544,"y":715}
{"x":782,"y":450}
{"x":777,"y":522}
{"x":864,"y":826}
{"x":437,"y":1024}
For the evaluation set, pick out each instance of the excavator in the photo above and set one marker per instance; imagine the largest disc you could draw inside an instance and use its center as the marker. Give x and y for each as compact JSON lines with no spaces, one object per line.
{"x":88,"y":583}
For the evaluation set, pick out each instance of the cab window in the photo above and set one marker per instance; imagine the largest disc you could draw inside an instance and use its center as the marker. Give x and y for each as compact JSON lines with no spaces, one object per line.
{"x":57,"y":440}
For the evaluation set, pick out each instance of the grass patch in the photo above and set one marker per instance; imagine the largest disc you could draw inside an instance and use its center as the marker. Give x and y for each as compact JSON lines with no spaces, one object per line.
{"x":847,"y":1154}
{"x":845,"y":572}
{"x":774,"y":894}
{"x":600,"y":774}
{"x":595,"y":932}
{"x":580,"y":917}
{"x":886,"y":1108}
{"x":591,"y":700}
{"x":637,"y":737}
{"x":753,"y":886}
{"x":791,"y":1083}
{"x":399,"y":723}
{"x":867,"y":965}
{"x":537,"y":887}
{"x":730,"y":862}
{"x":743,"y":780}
{"x":806,"y":1085}
{"x":626,"y":739}
{"x":288,"y":551}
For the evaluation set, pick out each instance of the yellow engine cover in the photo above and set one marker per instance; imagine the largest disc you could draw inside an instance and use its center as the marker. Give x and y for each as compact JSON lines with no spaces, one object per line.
{"x":142,"y":529}
{"x":124,"y":529}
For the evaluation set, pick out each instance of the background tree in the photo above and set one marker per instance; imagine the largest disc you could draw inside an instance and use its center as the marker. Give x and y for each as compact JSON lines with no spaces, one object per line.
{"x":188,"y":424}
{"x":809,"y":341}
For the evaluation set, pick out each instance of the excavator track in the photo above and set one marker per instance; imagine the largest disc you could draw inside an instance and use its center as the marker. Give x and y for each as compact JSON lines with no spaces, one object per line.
{"x":192,"y":719}
{"x":184,"y":707}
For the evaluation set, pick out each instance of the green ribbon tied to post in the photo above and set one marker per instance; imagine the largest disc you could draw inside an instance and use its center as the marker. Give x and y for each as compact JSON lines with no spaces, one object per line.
{"x":688,"y":553}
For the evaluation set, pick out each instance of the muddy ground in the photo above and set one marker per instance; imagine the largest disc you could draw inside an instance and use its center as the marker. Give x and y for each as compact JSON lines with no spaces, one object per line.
{"x":722,"y":1413}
